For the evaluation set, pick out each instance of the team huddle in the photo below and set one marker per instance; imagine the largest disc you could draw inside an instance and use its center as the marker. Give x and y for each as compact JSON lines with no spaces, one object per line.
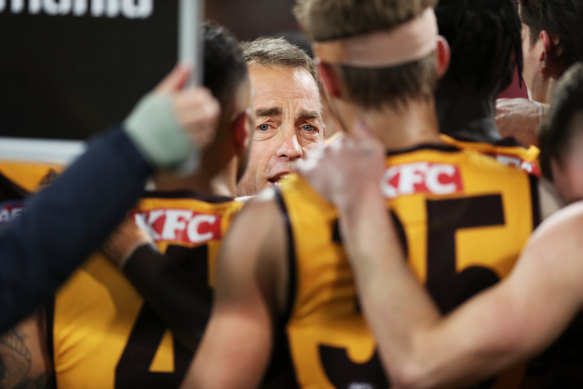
{"x":358,"y":218}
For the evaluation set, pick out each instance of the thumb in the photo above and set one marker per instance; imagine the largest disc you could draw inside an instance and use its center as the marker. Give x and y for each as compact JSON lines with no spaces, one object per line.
{"x":175,"y":80}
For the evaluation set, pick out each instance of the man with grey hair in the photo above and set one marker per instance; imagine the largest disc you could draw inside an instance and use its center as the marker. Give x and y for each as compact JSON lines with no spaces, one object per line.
{"x":287,"y":107}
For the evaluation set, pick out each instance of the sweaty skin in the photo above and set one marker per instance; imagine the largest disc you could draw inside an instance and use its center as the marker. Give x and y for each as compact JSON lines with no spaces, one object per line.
{"x":288,"y":123}
{"x":418,"y":347}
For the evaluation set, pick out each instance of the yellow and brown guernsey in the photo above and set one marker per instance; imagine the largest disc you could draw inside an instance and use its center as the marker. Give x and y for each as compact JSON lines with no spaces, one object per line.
{"x":507,"y":151}
{"x":462,"y":218}
{"x":103,"y":334}
{"x":29,"y":176}
{"x":17,"y":180}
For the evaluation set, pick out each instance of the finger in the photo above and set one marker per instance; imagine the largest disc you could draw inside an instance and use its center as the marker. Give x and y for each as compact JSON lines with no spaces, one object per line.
{"x":199,"y":93}
{"x":298,"y":166}
{"x":175,"y":80}
{"x":194,"y":99}
{"x":500,"y":106}
{"x":306,"y":165}
{"x":360,"y":131}
{"x":203,"y":114}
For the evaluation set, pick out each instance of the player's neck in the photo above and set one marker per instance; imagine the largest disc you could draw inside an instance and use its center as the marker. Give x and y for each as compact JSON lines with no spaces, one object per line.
{"x":464,"y":113}
{"x":542,"y":89}
{"x":400,"y":129}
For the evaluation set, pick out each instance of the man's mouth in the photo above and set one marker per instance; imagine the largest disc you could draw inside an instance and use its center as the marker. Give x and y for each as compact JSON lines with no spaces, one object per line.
{"x":274,"y":181}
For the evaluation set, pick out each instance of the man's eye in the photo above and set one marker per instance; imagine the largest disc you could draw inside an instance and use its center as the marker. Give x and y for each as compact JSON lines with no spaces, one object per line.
{"x":263,"y":127}
{"x":308,"y":128}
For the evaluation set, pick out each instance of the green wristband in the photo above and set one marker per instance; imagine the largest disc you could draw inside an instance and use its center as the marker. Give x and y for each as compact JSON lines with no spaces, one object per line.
{"x":154,"y":130}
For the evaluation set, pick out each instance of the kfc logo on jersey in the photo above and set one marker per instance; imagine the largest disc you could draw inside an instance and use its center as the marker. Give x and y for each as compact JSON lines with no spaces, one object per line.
{"x":10,"y":211}
{"x":509,"y":160}
{"x":421,"y":177}
{"x":180,"y":225}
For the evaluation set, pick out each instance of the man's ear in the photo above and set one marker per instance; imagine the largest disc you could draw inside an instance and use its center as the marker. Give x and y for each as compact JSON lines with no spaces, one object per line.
{"x":550,"y":53}
{"x":443,"y":53}
{"x":241,"y":130}
{"x":329,"y":79}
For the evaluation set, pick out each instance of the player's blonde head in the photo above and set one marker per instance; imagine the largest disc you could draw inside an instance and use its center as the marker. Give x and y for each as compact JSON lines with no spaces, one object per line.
{"x":326,"y":20}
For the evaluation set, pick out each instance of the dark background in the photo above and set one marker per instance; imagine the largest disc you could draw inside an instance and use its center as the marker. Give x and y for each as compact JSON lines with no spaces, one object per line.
{"x":66,"y":77}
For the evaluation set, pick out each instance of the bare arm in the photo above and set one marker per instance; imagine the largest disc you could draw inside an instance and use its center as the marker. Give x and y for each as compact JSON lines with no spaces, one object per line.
{"x":66,"y":221}
{"x":236,"y":346}
{"x":23,"y":357}
{"x":419,"y":348}
{"x":499,"y":327}
{"x":176,"y":296}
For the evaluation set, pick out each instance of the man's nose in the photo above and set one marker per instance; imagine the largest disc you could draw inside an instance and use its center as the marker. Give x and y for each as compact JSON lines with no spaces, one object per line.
{"x":290,"y":147}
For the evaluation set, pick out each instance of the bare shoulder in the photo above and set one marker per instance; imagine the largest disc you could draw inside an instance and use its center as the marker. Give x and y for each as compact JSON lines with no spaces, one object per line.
{"x":257,"y":225}
{"x":553,"y":255}
{"x":255,"y":248}
{"x":264,"y":205}
{"x":544,"y":291}
{"x":561,"y":222}
{"x":562,"y":228}
{"x":236,"y":346}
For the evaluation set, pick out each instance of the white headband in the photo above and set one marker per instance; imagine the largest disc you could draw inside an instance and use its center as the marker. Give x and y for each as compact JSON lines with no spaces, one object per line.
{"x":409,"y":42}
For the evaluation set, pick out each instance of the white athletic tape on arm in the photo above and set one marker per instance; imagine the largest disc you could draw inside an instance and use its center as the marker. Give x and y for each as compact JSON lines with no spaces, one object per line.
{"x":153,"y":128}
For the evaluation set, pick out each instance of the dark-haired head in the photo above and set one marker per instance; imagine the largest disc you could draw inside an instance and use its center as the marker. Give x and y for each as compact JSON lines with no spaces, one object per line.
{"x":227,"y":77}
{"x":560,"y":137}
{"x":485,"y":42}
{"x":561,"y":19}
{"x":225,"y":69}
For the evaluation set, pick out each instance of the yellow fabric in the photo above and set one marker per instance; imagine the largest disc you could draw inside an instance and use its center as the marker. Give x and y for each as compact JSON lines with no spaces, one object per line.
{"x":525,"y":158}
{"x":325,"y":313}
{"x":97,"y":310}
{"x":28,"y":175}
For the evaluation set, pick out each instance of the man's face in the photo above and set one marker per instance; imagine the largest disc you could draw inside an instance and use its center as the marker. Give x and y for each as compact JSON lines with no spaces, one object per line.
{"x":288,"y":123}
{"x":244,"y":103}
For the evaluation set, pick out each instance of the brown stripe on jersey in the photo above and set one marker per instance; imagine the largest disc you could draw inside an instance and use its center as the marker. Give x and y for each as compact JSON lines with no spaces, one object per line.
{"x":186,"y":194}
{"x":291,"y":259}
{"x":281,"y":372}
{"x":535,"y":199}
{"x":425,"y":146}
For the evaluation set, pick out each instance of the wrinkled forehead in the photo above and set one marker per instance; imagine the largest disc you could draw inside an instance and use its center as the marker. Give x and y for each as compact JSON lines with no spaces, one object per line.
{"x":275,"y":86}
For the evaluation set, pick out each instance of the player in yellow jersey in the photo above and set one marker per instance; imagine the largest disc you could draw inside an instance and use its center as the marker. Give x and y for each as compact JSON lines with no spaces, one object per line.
{"x":288,"y":119}
{"x":485,"y":50}
{"x":463,"y":218}
{"x":28,"y":176}
{"x":486,"y":47}
{"x":172,"y":294}
{"x":17,"y":180}
{"x":103,"y":335}
{"x":99,"y":333}
{"x":507,"y":323}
